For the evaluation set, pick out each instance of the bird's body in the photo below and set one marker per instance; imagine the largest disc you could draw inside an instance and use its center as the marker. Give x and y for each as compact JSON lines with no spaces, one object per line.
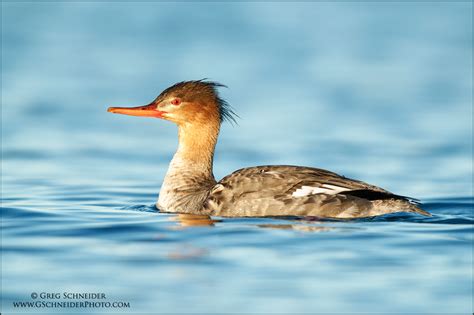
{"x":273,"y":190}
{"x":300,"y":191}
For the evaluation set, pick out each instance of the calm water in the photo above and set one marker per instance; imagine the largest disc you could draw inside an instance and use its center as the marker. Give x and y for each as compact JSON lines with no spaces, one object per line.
{"x":379,"y":92}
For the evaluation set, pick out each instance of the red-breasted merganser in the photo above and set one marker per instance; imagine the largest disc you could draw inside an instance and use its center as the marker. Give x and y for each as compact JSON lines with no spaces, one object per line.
{"x":271,"y":190}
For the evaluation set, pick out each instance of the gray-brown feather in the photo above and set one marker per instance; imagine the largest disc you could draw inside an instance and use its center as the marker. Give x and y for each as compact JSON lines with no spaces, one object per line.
{"x":185,"y":192}
{"x":269,"y":191}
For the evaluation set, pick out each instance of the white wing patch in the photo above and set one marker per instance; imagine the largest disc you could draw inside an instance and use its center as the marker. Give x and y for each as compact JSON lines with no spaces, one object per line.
{"x":324,"y":189}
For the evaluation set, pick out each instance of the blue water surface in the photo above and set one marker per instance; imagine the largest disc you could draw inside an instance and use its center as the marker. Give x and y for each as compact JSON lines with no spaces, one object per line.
{"x":381,"y":92}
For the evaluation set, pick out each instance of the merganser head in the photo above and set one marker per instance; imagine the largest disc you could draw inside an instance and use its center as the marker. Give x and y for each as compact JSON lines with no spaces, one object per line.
{"x":185,"y":102}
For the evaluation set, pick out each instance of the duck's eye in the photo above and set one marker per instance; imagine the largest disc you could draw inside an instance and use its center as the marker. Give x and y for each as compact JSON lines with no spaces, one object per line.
{"x":176,"y":101}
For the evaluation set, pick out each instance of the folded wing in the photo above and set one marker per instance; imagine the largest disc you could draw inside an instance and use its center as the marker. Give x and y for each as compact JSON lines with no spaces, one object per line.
{"x":301,"y":191}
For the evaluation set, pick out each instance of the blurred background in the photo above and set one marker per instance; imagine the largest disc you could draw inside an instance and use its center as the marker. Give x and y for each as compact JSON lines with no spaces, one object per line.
{"x":378,"y":91}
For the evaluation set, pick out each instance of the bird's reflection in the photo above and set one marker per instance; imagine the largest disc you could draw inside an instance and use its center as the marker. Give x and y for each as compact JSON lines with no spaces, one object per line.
{"x":194,"y":220}
{"x":296,"y":227}
{"x":188,"y":220}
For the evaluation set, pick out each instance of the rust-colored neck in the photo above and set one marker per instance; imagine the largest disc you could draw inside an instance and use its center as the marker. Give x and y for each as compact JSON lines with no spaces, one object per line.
{"x":197,"y":142}
{"x":189,"y":177}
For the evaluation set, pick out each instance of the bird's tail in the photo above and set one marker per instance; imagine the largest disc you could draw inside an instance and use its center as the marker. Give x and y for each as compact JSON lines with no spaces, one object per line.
{"x":416,"y":209}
